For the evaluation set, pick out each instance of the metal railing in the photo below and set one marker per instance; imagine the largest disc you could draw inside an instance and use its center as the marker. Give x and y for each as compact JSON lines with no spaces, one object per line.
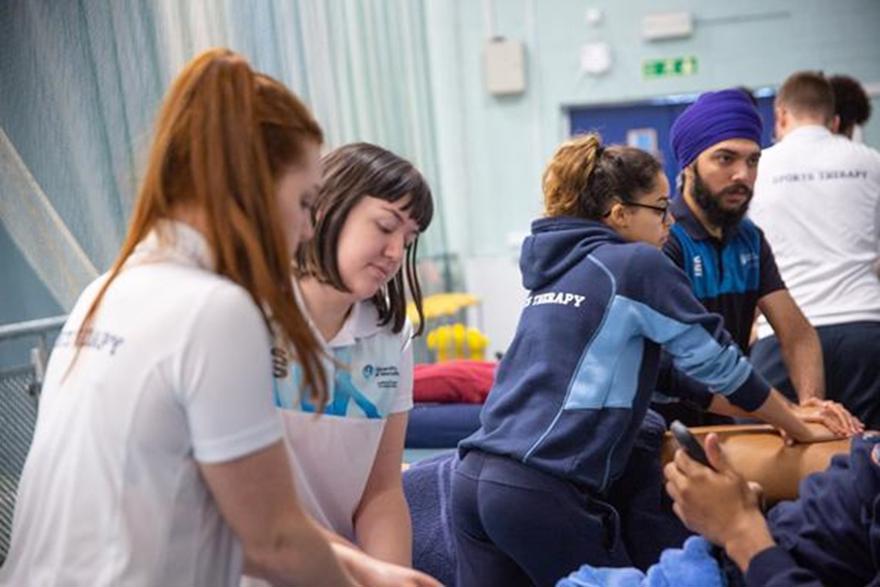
{"x":19,"y":396}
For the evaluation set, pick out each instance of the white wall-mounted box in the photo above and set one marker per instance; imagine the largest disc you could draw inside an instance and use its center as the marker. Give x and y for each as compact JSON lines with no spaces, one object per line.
{"x":667,"y":25}
{"x":505,"y":63}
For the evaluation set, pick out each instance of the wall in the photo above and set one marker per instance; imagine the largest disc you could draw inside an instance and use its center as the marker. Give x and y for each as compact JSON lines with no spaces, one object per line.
{"x":492,"y":150}
{"x":80,"y":83}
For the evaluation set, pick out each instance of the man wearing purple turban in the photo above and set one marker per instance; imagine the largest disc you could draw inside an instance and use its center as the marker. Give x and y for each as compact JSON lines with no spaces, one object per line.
{"x":731,"y":268}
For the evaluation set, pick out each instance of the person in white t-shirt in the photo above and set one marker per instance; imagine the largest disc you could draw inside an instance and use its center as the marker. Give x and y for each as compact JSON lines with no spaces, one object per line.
{"x":157,"y":456}
{"x":817,"y":198}
{"x":351,"y":278}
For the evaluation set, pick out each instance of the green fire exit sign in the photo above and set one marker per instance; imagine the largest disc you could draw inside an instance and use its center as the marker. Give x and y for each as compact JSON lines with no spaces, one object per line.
{"x":675,"y":66}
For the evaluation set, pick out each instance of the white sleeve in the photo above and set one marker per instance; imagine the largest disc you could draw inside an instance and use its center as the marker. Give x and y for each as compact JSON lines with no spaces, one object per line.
{"x":404,"y":400}
{"x":877,"y":229}
{"x":224,"y":378}
{"x":876,"y":169}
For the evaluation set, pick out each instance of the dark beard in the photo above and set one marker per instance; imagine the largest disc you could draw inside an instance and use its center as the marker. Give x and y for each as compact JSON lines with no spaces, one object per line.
{"x":710,"y":202}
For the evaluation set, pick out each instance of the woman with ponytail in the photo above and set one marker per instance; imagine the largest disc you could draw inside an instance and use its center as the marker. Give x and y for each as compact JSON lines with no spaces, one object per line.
{"x":157,"y":457}
{"x":530,"y":496}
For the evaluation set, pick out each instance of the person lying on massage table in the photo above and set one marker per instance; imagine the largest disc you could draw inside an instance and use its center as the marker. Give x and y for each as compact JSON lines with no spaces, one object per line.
{"x":829,"y":535}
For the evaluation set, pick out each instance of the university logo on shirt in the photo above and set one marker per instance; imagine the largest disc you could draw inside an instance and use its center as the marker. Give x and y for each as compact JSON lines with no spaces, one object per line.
{"x":356,"y":391}
{"x":746,"y":259}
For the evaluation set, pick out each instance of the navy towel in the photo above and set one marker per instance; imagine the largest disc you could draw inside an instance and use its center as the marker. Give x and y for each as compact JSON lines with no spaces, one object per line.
{"x":427,"y":485}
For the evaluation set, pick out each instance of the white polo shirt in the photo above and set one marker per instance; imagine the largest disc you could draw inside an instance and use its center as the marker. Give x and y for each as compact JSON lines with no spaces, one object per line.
{"x":817,"y":198}
{"x":171,"y":375}
{"x":332,"y":454}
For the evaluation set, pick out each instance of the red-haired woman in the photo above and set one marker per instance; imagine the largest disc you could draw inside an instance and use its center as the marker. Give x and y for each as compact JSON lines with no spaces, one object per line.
{"x":157,"y":457}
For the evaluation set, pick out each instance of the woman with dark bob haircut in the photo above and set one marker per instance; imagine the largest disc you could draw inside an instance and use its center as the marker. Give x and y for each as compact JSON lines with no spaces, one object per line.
{"x":351,"y":280}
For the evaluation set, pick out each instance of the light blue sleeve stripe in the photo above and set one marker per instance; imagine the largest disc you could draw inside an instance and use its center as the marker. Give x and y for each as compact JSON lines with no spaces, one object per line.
{"x":694,"y":351}
{"x":607,"y":376}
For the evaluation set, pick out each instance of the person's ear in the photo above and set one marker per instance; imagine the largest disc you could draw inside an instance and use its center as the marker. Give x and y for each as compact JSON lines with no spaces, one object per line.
{"x":687,"y":176}
{"x":835,"y":124}
{"x":689,"y":171}
{"x":617,"y":216}
{"x":779,"y":111}
{"x":780,"y":114}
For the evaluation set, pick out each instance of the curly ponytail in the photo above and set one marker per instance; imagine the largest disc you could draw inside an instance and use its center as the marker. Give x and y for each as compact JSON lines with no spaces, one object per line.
{"x":583,"y":178}
{"x":568,"y":175}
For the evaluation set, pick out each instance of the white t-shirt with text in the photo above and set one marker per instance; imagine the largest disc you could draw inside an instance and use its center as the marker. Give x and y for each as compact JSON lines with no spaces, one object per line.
{"x":817,"y":198}
{"x":175,"y":371}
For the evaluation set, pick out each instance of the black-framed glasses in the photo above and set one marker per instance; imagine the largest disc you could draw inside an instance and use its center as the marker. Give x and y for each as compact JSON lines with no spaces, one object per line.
{"x":664,"y":210}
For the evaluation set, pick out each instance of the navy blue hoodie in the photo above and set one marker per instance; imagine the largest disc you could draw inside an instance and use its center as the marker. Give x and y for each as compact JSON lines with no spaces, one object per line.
{"x":573,"y":387}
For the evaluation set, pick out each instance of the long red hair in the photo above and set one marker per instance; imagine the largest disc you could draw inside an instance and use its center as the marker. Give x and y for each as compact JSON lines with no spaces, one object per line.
{"x":224,"y":136}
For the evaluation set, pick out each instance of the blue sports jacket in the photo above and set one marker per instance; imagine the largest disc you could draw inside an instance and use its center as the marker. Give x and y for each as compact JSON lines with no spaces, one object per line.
{"x":573,"y":388}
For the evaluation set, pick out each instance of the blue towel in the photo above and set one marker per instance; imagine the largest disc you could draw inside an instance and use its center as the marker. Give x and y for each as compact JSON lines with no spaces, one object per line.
{"x":691,"y":566}
{"x":427,"y":485}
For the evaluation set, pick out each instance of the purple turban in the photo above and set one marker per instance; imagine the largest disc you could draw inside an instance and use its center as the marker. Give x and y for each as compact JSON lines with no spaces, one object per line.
{"x":714,"y":117}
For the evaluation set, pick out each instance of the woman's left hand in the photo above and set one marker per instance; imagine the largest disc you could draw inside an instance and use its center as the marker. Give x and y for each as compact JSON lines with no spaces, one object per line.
{"x":830,"y":414}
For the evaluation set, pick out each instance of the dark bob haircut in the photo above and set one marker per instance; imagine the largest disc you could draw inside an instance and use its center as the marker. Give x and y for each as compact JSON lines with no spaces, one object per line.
{"x":350,"y":173}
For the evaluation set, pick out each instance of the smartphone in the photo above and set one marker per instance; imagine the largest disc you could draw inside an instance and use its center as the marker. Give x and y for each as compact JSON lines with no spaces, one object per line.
{"x":689,"y":443}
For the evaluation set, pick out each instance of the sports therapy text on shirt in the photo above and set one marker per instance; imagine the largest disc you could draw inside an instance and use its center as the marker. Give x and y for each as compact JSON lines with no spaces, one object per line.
{"x":821,"y":175}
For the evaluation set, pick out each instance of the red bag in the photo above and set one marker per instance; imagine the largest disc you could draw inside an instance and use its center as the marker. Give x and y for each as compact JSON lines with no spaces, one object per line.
{"x":453,"y":382}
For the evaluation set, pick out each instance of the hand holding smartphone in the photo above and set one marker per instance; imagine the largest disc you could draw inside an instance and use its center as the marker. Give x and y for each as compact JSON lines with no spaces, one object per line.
{"x":689,"y":443}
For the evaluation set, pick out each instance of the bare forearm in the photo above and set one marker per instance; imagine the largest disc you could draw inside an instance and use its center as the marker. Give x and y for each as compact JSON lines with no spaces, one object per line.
{"x":749,"y":537}
{"x":256,"y":497}
{"x":798,"y":342}
{"x":299,"y":557}
{"x":777,"y":411}
{"x":384,"y":528}
{"x":803,"y":358}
